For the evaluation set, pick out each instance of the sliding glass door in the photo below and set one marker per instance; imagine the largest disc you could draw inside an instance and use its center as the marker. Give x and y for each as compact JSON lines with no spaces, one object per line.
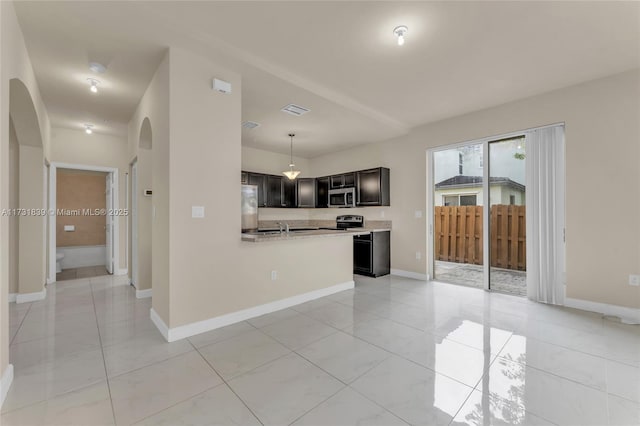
{"x":478,"y":220}
{"x":507,"y":216}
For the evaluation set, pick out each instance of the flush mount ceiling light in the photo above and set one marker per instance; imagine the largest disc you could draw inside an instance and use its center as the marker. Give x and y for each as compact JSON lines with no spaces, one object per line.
{"x":291,"y":174}
{"x":93,"y":85}
{"x":88,"y":128}
{"x":400,"y":32}
{"x":250,"y":125}
{"x":97,"y":67}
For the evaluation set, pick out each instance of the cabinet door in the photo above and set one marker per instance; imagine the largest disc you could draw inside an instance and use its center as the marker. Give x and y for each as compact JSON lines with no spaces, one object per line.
{"x":322,"y":192}
{"x":306,"y":192}
{"x":260,"y":181}
{"x":349,"y":180}
{"x":289,"y":193}
{"x":337,"y":181}
{"x":368,"y":192}
{"x":274,"y":191}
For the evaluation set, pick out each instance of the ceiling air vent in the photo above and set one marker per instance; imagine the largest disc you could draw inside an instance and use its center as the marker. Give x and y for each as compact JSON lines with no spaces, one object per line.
{"x":296,"y":110}
{"x":250,"y":125}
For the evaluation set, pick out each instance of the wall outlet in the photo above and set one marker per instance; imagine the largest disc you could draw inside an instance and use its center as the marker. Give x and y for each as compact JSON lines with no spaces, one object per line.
{"x":274,"y":275}
{"x":418,"y":255}
{"x":634,"y":280}
{"x":418,"y":214}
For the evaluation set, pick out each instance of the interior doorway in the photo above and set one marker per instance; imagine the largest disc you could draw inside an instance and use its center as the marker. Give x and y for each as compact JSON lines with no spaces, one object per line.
{"x":83,"y":231}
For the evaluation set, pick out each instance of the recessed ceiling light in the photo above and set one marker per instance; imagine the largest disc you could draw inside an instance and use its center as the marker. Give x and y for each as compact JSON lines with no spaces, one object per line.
{"x":294,"y":109}
{"x":97,"y":67}
{"x":88,"y":128}
{"x":400,"y":32}
{"x":94,"y":85}
{"x":250,"y":125}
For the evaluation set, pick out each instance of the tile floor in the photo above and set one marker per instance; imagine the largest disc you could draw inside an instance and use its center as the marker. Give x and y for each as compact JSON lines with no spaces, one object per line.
{"x":393,"y":351}
{"x":84,"y":272}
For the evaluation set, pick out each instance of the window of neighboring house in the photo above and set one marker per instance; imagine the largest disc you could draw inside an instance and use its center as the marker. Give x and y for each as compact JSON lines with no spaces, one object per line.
{"x":460,"y":200}
{"x":512,"y":200}
{"x":468,"y":200}
{"x":460,"y":163}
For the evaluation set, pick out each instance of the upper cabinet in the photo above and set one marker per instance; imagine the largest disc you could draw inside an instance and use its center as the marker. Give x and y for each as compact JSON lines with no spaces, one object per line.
{"x":372,"y":187}
{"x":306,"y":192}
{"x":289,"y":195}
{"x":322,"y":192}
{"x":274,"y":191}
{"x":345,"y":180}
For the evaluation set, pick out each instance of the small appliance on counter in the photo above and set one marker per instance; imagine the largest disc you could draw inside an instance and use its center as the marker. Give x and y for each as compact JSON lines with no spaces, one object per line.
{"x":249,"y":208}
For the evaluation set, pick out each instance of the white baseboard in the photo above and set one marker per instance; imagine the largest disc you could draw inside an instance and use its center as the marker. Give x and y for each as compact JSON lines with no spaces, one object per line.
{"x":626,"y":315}
{"x":13,"y":297}
{"x":31,"y":297}
{"x":409,"y":274}
{"x":187,"y":330}
{"x":143,"y":294}
{"x":160,"y":325}
{"x":121,"y":272}
{"x":5,"y":383}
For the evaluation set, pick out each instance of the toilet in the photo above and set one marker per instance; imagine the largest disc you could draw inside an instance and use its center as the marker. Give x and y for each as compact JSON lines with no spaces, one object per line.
{"x":59,"y":257}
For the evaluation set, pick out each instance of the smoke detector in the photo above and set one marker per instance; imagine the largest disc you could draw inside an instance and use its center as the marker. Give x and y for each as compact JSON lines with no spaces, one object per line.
{"x":296,"y":110}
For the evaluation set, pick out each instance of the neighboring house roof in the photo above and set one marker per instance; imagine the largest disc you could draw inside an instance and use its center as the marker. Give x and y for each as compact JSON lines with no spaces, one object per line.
{"x":476,"y":181}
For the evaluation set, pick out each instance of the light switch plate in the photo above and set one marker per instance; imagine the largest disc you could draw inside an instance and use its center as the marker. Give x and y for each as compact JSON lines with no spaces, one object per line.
{"x":418,"y":214}
{"x":634,"y":280}
{"x":197,"y":212}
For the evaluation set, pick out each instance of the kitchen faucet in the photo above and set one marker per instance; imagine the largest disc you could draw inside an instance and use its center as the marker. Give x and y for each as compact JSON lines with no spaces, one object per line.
{"x":284,"y":228}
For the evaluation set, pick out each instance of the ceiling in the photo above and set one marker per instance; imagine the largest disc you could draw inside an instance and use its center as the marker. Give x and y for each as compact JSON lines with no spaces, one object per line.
{"x":339,"y":59}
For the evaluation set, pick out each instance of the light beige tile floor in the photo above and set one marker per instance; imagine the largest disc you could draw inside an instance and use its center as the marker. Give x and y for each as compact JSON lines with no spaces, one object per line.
{"x":393,"y":351}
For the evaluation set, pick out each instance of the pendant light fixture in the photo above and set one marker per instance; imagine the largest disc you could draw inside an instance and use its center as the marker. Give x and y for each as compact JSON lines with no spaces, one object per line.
{"x":291,"y":174}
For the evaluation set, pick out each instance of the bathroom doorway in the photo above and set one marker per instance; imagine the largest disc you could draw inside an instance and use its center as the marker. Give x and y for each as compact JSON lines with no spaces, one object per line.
{"x":83,"y":229}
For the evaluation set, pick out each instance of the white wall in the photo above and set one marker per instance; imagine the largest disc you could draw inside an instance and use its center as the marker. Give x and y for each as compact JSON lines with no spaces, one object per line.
{"x":74,"y":146}
{"x":602,"y":154}
{"x":14,"y":63}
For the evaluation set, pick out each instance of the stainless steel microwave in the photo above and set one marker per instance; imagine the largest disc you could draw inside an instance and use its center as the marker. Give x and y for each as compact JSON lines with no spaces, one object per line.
{"x":343,"y":197}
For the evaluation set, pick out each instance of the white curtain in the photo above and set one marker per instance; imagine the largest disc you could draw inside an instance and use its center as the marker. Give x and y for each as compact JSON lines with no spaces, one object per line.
{"x":545,"y":195}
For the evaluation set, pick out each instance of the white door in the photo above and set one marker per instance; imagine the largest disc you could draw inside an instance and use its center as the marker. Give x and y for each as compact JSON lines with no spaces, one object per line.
{"x":134,"y":224}
{"x":109,"y":224}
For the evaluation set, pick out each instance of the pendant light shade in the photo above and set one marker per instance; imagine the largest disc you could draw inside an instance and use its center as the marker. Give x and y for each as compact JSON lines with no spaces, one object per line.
{"x":291,"y":173}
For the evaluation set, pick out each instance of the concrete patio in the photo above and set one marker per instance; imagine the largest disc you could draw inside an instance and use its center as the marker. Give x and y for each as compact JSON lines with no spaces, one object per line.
{"x":502,"y":280}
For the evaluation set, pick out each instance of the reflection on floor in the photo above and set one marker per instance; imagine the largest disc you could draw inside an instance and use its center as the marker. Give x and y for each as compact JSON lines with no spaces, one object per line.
{"x":502,"y":280}
{"x":393,"y":351}
{"x":84,"y":272}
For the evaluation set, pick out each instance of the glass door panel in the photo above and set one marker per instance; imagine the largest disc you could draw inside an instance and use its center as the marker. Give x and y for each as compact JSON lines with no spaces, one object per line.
{"x":507,"y":229}
{"x":458,"y":215}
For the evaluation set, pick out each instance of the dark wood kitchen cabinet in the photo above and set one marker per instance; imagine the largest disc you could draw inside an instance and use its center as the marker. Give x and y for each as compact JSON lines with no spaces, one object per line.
{"x":322,"y":192}
{"x":260,"y":181}
{"x":274,"y":191}
{"x":372,"y":187}
{"x":244,"y":178}
{"x":289,"y":195}
{"x":345,"y":180}
{"x":306,"y":192}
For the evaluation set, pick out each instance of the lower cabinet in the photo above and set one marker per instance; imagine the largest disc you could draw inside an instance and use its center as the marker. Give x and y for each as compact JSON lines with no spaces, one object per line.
{"x":372,"y":254}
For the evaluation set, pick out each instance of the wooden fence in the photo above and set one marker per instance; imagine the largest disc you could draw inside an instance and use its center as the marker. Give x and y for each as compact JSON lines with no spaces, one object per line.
{"x":458,"y":235}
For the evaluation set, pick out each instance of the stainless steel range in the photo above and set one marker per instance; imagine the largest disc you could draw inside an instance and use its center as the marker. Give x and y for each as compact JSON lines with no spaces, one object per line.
{"x":348,"y":222}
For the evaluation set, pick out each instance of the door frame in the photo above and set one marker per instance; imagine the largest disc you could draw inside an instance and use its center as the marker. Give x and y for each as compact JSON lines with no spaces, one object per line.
{"x":53,"y":169}
{"x":134,"y":222}
{"x":485,"y":141}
